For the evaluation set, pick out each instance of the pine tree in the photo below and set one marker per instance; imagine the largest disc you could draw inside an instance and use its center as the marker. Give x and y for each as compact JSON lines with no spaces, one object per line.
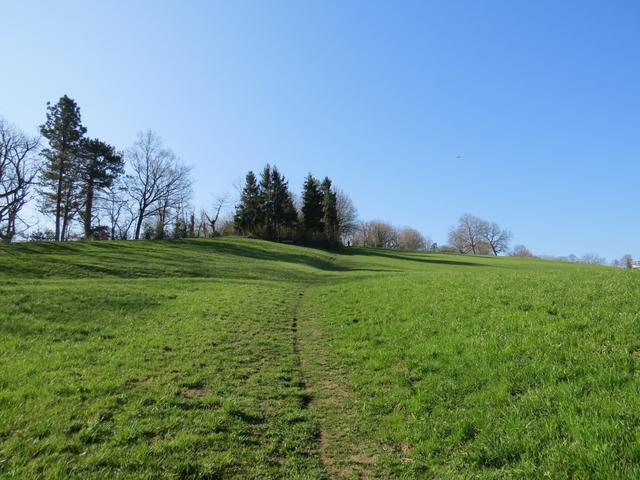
{"x":284,"y":214}
{"x":290,"y":214}
{"x":330,"y":213}
{"x":312,"y":208}
{"x":100,"y":165}
{"x":267,"y":203}
{"x":247,"y":216}
{"x":59,"y":177}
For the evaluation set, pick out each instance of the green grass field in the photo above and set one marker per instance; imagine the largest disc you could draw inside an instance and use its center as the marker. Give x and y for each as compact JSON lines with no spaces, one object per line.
{"x":234,"y":358}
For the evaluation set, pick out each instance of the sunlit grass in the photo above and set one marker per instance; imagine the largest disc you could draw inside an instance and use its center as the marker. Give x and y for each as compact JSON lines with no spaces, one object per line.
{"x":507,"y":369}
{"x":167,"y":377}
{"x":233,"y":358}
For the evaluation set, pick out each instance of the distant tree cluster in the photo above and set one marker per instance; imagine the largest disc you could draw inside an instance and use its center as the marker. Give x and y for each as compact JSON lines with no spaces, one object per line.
{"x":267,"y":210}
{"x":75,"y":171}
{"x":521,"y":251}
{"x":625,"y":262}
{"x":379,"y":234}
{"x":91,"y":190}
{"x":86,"y":182}
{"x":471,"y":235}
{"x":588,"y":259}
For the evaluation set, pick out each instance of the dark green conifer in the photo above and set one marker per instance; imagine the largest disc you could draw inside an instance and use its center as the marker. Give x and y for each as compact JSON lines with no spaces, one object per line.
{"x":330,"y":213}
{"x":312,"y":208}
{"x":267,"y":204}
{"x":100,"y":165}
{"x":60,"y":173}
{"x":248,"y":217}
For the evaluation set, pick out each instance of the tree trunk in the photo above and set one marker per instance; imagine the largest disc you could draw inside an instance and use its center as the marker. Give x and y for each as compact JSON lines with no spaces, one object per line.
{"x":66,"y":215}
{"x":88,"y":211}
{"x":139,"y":225}
{"x":11,"y":225}
{"x":160,"y":226}
{"x":59,"y":201}
{"x":65,"y":223}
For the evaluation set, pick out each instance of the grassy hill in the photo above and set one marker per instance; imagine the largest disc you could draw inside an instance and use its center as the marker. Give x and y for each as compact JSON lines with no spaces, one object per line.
{"x":233,"y":358}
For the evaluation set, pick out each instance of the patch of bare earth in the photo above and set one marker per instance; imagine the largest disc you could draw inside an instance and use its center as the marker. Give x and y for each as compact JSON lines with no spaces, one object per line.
{"x":153,"y":437}
{"x":198,"y":392}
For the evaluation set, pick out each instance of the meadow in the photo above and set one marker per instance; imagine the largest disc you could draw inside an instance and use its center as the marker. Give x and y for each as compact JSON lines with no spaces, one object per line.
{"x":237,"y":358}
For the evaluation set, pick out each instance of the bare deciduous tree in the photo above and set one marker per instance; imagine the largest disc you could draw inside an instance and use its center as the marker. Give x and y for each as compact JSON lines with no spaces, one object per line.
{"x":411,"y":239}
{"x":378,"y":234}
{"x":521,"y":251}
{"x":497,"y":238}
{"x":18,"y":169}
{"x":467,"y":234}
{"x":219,"y":204}
{"x":626,"y":261}
{"x":159,"y":181}
{"x":347,"y":215}
{"x":116,"y":211}
{"x":457,"y":240}
{"x":479,"y":237}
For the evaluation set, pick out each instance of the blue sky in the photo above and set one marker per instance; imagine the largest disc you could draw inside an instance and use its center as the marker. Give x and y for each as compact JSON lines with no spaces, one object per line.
{"x":525,"y":113}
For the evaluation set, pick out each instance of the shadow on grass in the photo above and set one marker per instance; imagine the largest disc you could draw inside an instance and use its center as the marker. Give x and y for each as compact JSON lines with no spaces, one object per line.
{"x":258,"y":253}
{"x":419,"y":257}
{"x":207,"y":258}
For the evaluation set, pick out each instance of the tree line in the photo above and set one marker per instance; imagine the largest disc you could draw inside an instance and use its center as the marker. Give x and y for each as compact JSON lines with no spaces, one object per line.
{"x":86,"y":182}
{"x":471,"y":235}
{"x":92,"y":190}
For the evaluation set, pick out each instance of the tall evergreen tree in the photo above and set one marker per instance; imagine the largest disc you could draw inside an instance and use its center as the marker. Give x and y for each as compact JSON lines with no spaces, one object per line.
{"x":290,"y":214}
{"x":267,"y":203}
{"x":283,"y":213}
{"x":247,"y":216}
{"x":330,"y":213}
{"x":100,"y":165}
{"x":312,"y":208}
{"x":59,"y":177}
{"x":266,"y":207}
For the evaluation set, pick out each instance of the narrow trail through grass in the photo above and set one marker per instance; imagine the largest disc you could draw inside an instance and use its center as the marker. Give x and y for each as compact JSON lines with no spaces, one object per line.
{"x":299,"y":347}
{"x":342,"y":450}
{"x":327,"y":398}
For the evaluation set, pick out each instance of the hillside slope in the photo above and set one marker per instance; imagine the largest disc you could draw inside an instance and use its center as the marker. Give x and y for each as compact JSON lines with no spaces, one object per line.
{"x":236,"y":358}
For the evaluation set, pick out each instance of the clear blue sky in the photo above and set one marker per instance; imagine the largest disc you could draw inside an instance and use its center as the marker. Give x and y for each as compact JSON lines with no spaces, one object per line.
{"x":541,"y":100}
